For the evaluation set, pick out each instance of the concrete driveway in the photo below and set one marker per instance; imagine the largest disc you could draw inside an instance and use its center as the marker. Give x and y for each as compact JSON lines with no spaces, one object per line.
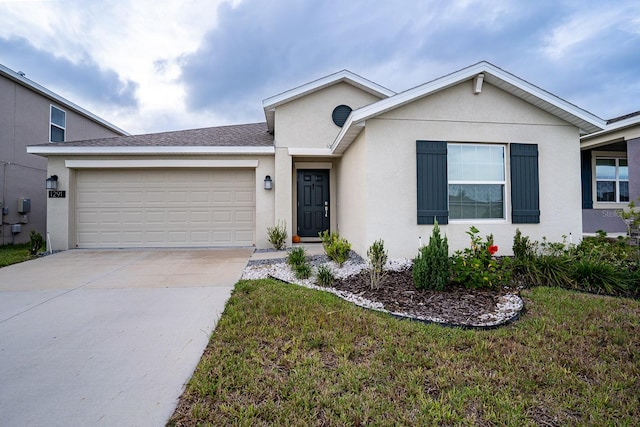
{"x":107,"y":337}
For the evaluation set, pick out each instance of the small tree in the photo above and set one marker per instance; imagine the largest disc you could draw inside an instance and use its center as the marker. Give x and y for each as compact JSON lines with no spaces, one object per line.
{"x":36,"y":242}
{"x":431,"y":267}
{"x":377,"y":260}
{"x":335,"y":247}
{"x":278,"y":235}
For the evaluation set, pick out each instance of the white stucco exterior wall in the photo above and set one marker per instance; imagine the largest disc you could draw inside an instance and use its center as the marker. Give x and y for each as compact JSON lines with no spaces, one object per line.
{"x":457,"y":115}
{"x":353,"y":188}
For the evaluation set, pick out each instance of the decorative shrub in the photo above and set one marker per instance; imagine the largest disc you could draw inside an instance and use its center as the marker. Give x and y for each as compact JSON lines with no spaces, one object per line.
{"x":552,"y":270}
{"x":296,"y":256}
{"x":278,"y":235}
{"x":325,"y":276}
{"x":36,"y":242}
{"x":297,"y":260}
{"x":523,"y":249}
{"x":377,"y":260}
{"x":599,"y":277}
{"x":476,"y":266}
{"x":431,"y":267}
{"x":336,"y":247}
{"x":302,"y":271}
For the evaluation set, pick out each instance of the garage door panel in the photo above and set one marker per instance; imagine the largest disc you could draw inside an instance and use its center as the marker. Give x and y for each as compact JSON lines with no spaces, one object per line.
{"x":245,"y":197}
{"x":245,"y":217}
{"x":137,"y":208}
{"x":157,"y":217}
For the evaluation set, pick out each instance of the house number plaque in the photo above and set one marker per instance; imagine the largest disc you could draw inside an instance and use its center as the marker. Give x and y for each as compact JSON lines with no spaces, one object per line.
{"x":57,"y":194}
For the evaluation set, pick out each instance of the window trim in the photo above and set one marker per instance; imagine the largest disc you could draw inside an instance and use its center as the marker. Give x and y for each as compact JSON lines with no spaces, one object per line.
{"x":51,"y":124}
{"x":617,"y":156}
{"x":505,"y":183}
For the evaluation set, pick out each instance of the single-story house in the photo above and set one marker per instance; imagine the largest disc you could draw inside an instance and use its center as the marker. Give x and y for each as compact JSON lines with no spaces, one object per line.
{"x":610,"y":174}
{"x":477,"y":147}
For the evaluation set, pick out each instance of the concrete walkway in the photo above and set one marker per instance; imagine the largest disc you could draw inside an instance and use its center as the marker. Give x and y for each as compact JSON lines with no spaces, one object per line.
{"x":311,"y":249}
{"x":107,"y":337}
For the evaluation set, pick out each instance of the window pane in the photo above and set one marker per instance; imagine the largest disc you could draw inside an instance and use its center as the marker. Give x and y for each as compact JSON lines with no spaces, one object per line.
{"x":623,"y":170}
{"x":624,"y":191}
{"x":475,"y":163}
{"x":471,"y":201}
{"x":57,"y":116}
{"x":605,"y":169}
{"x":606,"y":191}
{"x":57,"y":134}
{"x":454,"y":162}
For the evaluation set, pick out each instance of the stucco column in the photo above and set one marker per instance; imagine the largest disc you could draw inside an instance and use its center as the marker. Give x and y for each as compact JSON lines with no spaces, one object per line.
{"x":282,"y":187}
{"x":60,"y":214}
{"x":633,"y":157}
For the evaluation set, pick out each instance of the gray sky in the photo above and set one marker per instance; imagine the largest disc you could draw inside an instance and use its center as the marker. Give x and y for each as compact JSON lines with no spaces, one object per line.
{"x":151,"y":66}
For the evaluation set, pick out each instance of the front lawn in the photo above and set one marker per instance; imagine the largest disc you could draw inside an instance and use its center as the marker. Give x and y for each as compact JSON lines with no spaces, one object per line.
{"x":286,"y":355}
{"x":13,"y":254}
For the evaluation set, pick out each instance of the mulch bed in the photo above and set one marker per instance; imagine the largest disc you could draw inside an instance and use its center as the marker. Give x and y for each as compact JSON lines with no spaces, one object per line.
{"x":455,"y":306}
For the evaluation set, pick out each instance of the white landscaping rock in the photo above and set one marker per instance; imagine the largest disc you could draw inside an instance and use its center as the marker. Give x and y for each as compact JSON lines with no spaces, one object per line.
{"x":508,"y":308}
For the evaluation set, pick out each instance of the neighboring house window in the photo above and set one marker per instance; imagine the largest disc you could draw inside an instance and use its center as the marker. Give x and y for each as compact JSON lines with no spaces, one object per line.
{"x":468,"y":181}
{"x":58,"y":125}
{"x":612,"y":180}
{"x":476,"y":176}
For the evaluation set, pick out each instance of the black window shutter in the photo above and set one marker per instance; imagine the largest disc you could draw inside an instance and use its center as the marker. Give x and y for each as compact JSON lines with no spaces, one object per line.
{"x":433,"y":189}
{"x":587,"y":176}
{"x":525,"y":186}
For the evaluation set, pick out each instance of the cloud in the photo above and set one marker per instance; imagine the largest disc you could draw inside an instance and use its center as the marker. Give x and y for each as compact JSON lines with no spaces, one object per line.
{"x":261,"y":48}
{"x":84,"y":80}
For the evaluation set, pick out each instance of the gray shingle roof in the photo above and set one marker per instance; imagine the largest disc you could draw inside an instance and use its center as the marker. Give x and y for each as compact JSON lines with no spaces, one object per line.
{"x":626,"y":116}
{"x":248,"y":135}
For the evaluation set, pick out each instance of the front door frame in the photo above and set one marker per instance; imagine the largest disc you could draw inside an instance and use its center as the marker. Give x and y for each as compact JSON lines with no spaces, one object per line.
{"x":324,"y":203}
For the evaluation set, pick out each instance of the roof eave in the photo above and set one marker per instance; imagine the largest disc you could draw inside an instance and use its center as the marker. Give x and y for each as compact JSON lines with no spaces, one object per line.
{"x":583,"y":120}
{"x":622,"y":124}
{"x":59,"y":150}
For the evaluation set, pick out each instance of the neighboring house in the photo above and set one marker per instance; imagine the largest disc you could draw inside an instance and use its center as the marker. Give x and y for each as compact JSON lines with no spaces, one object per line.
{"x":610,"y":174}
{"x":477,"y":147}
{"x":31,"y":114}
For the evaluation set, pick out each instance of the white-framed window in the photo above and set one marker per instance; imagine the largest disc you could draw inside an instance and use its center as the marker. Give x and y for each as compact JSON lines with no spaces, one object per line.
{"x":57,"y":124}
{"x":476,"y":179}
{"x":612,"y":180}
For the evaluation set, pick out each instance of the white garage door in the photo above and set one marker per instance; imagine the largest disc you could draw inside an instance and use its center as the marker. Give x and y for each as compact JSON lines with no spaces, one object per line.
{"x":118,"y":208}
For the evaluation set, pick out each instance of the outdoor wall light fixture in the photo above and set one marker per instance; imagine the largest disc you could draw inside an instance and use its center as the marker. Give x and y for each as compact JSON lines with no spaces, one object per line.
{"x":52,"y":182}
{"x":268,"y":183}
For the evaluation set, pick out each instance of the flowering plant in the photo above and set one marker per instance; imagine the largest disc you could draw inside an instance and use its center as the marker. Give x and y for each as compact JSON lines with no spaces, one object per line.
{"x":476,"y":266}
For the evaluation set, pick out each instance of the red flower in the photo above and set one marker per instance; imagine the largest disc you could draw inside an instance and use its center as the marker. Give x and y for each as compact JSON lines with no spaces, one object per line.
{"x":493,"y":249}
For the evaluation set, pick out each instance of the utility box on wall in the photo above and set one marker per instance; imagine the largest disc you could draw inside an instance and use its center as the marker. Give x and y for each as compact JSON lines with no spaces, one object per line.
{"x":24,"y":205}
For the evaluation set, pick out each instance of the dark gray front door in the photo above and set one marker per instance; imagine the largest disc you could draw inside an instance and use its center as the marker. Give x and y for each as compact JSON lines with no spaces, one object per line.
{"x":313,"y":202}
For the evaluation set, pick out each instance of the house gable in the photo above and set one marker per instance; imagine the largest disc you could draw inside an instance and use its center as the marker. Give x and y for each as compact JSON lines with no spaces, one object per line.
{"x":457,"y":114}
{"x":478,"y":74}
{"x":307,"y":122}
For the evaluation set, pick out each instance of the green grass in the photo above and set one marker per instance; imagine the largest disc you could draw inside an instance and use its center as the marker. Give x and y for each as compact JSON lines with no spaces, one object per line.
{"x":13,"y":254}
{"x":285,"y":355}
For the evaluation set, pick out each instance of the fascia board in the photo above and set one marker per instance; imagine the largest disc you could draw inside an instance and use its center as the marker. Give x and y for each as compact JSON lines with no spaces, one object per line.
{"x":631,"y":121}
{"x":323,"y":82}
{"x":541,"y":94}
{"x":62,"y":150}
{"x":159,"y":163}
